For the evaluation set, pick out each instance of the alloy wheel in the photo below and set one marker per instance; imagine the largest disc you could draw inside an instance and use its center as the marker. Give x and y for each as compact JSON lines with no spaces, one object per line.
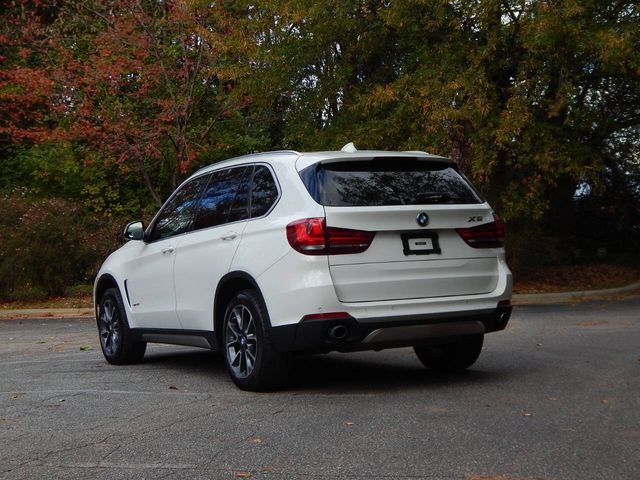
{"x":241,"y":341}
{"x":109,"y":327}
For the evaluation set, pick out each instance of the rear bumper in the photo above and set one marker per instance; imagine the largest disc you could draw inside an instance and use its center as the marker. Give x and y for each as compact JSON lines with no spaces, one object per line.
{"x":350,"y":334}
{"x":298,"y":285}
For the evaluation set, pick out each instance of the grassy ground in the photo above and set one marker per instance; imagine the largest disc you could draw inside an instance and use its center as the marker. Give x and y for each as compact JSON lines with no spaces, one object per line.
{"x":544,"y":280}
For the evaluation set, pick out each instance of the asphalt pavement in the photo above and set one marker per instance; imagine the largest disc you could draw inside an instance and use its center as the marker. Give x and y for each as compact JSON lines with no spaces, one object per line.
{"x":555,"y":396}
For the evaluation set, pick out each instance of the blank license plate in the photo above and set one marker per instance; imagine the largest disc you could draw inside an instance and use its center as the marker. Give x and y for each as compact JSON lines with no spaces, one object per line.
{"x":420,"y":243}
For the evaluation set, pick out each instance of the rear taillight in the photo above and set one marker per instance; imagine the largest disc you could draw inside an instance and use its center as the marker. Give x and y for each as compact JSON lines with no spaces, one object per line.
{"x":307,"y":236}
{"x":311,"y":236}
{"x":489,"y":235}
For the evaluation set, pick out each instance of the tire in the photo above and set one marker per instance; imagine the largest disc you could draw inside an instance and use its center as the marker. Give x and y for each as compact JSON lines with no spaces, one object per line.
{"x":451,"y":357}
{"x":252,"y":361}
{"x":116,"y":343}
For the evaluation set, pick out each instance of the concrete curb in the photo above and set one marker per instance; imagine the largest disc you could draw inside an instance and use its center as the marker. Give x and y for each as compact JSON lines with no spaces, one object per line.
{"x":45,"y":313}
{"x":517,"y":299}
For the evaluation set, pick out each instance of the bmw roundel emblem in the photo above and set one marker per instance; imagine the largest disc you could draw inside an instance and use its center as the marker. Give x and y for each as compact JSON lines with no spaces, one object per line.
{"x":422,"y":219}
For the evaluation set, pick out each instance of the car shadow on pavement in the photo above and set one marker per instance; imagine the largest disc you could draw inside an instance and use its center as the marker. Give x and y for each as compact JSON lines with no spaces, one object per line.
{"x":336,"y":373}
{"x":187,"y":359}
{"x":353,"y":374}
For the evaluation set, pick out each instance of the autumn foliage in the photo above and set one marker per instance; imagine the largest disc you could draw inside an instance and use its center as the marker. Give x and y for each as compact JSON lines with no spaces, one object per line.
{"x":146,"y":82}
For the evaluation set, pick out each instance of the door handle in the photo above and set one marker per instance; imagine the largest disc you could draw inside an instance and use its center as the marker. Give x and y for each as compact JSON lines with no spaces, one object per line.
{"x":229,"y":236}
{"x":168,"y":250}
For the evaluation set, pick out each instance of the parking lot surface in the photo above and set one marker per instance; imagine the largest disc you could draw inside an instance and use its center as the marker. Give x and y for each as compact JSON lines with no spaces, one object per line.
{"x":555,"y":396}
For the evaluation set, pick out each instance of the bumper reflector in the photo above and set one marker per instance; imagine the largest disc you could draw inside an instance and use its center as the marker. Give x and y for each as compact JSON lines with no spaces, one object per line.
{"x":326,"y":316}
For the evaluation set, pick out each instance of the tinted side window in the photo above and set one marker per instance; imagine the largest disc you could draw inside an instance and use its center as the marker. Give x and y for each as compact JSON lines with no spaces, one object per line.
{"x":240,"y":207}
{"x":219,"y":197}
{"x":177,"y":213}
{"x":264,"y":191}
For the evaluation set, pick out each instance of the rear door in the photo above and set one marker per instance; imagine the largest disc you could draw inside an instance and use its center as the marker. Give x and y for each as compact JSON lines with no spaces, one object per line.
{"x":415,"y":207}
{"x":205,"y":254}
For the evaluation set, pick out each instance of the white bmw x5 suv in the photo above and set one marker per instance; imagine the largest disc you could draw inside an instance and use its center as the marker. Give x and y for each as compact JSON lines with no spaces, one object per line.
{"x":270,"y":254}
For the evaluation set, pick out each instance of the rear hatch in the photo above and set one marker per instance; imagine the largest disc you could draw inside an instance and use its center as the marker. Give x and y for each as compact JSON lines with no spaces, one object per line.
{"x":419,"y":209}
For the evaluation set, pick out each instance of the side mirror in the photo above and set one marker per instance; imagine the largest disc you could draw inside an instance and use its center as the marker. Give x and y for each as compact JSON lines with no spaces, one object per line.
{"x":134,"y":231}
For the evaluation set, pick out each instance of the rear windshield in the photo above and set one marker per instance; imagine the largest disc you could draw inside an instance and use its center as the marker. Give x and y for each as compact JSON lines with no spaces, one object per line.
{"x":387,"y":181}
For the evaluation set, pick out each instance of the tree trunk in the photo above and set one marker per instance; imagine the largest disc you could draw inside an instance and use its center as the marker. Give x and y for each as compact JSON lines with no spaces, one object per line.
{"x":561,"y":217}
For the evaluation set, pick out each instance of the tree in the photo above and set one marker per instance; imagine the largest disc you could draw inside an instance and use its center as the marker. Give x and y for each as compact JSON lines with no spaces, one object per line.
{"x":26,"y":86}
{"x":528,"y":97}
{"x":531,"y":98}
{"x":150,"y":83}
{"x":153,"y":81}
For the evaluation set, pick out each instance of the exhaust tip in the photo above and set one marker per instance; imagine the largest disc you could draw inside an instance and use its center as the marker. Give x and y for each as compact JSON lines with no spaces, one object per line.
{"x":503,"y":319}
{"x":338,"y":332}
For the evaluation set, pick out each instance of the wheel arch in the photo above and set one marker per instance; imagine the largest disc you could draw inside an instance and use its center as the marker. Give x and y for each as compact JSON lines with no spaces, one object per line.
{"x":105,"y":282}
{"x":228,"y":286}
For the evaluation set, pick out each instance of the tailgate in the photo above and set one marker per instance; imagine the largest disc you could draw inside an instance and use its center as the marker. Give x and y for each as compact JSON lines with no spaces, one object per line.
{"x":430,"y":261}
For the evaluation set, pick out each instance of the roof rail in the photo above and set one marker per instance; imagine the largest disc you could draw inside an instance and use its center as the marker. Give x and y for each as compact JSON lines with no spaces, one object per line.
{"x":291,"y":152}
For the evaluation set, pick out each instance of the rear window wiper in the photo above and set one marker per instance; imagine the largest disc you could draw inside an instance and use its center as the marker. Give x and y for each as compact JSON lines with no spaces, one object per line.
{"x":437,"y":197}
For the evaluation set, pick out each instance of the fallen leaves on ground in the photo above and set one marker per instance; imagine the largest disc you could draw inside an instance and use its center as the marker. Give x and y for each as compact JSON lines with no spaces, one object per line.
{"x":576,"y":277}
{"x":498,"y":477}
{"x":437,"y":410}
{"x":83,"y":301}
{"x":593,"y":323}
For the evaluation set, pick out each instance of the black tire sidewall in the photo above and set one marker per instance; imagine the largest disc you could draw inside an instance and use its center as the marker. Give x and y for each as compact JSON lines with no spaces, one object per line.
{"x":127,"y":351}
{"x":452,"y":357}
{"x":112,"y":294}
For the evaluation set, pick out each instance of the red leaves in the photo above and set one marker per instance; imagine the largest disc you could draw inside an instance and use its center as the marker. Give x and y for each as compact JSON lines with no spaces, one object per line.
{"x":143,"y":83}
{"x":25,"y":100}
{"x":135,"y":93}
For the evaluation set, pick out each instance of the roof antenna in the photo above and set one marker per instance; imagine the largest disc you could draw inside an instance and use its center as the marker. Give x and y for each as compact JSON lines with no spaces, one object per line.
{"x":349,"y":148}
